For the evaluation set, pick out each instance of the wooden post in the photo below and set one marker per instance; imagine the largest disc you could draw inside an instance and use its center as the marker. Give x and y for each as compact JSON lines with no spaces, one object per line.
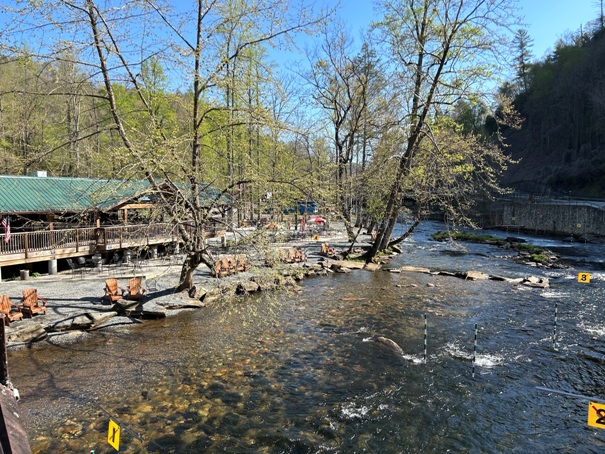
{"x":4,"y":379}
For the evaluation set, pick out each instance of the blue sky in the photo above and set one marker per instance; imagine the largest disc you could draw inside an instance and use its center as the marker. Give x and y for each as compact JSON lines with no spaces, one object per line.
{"x":546,"y":20}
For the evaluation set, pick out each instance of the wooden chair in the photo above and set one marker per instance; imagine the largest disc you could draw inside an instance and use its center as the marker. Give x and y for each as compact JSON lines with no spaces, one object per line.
{"x":135,"y":289}
{"x":241,"y":263}
{"x":113,"y":292}
{"x":216,"y":271}
{"x":283,"y":255}
{"x":6,"y":307}
{"x":299,"y":256}
{"x":225,"y":267}
{"x":232,"y":264}
{"x":324,"y":249}
{"x":291,"y":256}
{"x":31,"y":303}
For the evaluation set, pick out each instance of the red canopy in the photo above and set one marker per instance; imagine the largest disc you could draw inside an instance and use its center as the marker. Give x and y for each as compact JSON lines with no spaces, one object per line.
{"x":316,"y":219}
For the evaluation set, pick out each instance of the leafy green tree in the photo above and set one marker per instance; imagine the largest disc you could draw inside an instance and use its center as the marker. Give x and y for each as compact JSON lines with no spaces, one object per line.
{"x":440,"y":50}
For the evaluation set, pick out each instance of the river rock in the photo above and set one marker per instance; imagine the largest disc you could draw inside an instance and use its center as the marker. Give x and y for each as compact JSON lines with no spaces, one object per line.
{"x":475,"y":276}
{"x":121,"y":306}
{"x":414,"y":269}
{"x":533,"y":281}
{"x":178,"y":301}
{"x":390,"y":343}
{"x":245,"y":287}
{"x":495,"y":277}
{"x":372,"y":266}
{"x":146,"y":310}
{"x":80,"y":322}
{"x":26,"y":334}
{"x":98,"y":318}
{"x":342,"y":269}
{"x":197,"y":293}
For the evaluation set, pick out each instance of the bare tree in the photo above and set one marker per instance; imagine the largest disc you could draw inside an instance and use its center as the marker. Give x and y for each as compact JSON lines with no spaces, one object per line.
{"x":197,"y":48}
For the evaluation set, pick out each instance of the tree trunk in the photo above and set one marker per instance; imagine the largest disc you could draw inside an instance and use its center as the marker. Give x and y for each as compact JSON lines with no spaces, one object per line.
{"x":406,"y":234}
{"x":192,"y":261}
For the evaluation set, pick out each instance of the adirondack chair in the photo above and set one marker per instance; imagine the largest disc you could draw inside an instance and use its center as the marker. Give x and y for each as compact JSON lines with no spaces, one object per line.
{"x":6,"y":307}
{"x":291,"y":256}
{"x":324,"y":249}
{"x":225,"y":267}
{"x":217,"y":271}
{"x":113,"y":292}
{"x":241,"y":263}
{"x":283,"y":255}
{"x":135,"y":289}
{"x":299,"y":255}
{"x":31,"y":303}
{"x":232,"y":264}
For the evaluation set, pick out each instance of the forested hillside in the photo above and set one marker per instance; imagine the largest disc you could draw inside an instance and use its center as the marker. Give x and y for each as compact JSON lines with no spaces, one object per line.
{"x":561,"y":146}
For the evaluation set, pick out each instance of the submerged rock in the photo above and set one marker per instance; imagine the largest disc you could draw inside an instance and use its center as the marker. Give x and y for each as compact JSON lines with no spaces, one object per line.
{"x":390,"y":343}
{"x":475,"y":275}
{"x":533,"y":281}
{"x":415,"y":269}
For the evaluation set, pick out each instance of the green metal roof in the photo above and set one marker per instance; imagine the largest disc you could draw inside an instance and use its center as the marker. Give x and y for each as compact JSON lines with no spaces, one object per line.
{"x":21,"y":194}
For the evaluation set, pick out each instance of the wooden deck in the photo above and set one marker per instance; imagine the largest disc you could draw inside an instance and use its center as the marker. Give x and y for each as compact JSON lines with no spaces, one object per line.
{"x":44,"y":245}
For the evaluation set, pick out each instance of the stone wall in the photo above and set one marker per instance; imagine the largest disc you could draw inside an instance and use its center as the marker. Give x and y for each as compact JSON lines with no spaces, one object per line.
{"x":574,"y":218}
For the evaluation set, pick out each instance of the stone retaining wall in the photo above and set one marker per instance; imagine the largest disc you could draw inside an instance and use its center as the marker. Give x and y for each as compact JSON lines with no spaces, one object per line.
{"x":573,"y":219}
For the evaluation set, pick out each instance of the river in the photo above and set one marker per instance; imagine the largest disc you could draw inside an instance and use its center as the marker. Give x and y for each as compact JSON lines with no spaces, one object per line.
{"x":303,"y":372}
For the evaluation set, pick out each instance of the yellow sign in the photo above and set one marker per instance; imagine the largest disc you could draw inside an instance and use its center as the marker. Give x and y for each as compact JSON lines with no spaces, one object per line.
{"x":584,"y":277}
{"x":596,"y":415}
{"x":113,"y":435}
{"x":315,"y":237}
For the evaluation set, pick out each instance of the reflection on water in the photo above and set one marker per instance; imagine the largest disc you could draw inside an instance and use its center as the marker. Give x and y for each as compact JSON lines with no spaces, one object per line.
{"x":303,"y":373}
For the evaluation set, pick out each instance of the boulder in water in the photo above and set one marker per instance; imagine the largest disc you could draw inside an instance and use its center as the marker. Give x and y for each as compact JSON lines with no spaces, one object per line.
{"x":390,"y":343}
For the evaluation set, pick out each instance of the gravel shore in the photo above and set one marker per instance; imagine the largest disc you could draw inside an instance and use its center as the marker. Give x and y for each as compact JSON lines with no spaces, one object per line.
{"x":74,"y":298}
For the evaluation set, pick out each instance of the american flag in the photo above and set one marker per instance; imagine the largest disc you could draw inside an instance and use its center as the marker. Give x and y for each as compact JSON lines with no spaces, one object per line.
{"x":7,"y":230}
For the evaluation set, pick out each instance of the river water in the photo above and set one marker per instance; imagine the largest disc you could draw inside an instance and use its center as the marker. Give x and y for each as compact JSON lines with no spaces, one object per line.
{"x":303,"y":372}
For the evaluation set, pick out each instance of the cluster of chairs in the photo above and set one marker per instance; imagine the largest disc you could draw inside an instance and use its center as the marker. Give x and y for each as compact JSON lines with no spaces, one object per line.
{"x":134,"y":291}
{"x":229,"y":264}
{"x":292,"y":255}
{"x":326,"y":250}
{"x":31,"y":304}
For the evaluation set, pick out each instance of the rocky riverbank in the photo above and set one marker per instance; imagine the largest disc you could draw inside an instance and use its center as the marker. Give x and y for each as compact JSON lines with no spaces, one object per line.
{"x":75,"y":305}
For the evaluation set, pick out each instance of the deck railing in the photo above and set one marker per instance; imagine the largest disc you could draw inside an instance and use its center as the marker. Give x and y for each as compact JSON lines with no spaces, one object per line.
{"x":84,"y":238}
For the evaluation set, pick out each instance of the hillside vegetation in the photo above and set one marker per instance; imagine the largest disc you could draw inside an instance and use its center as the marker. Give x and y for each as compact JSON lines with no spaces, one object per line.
{"x":561,"y":145}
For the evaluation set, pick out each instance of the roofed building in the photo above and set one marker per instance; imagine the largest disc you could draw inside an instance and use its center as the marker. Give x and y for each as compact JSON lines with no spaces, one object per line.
{"x":53,"y":218}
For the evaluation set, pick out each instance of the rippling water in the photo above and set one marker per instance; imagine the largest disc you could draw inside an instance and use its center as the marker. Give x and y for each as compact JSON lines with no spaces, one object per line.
{"x":303,"y":373}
